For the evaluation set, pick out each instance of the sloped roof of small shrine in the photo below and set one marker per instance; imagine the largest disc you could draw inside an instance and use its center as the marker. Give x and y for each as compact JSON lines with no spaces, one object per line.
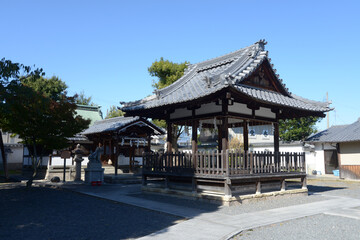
{"x":117,"y":123}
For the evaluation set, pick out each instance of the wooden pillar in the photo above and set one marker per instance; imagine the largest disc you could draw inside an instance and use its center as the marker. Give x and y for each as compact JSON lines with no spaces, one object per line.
{"x":276,"y":137}
{"x":111,"y":150}
{"x":116,"y":155}
{"x":149,"y":144}
{"x":224,"y":126}
{"x":169,"y":137}
{"x":194,"y":145}
{"x":246,"y":135}
{"x":219,"y":138}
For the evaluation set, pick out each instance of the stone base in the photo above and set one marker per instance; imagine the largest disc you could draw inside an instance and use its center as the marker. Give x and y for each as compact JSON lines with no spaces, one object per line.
{"x":58,"y":171}
{"x":92,"y":175}
{"x":226,"y":200}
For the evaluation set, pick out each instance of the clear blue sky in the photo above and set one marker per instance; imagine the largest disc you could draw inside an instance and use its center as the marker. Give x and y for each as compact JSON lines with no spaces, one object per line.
{"x":105,"y":47}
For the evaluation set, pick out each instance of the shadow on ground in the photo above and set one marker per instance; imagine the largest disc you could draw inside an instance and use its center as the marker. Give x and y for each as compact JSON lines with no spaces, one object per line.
{"x":320,"y":189}
{"x":44,"y":213}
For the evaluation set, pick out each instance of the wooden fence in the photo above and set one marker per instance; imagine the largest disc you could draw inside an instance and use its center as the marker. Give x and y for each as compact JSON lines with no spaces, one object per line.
{"x":224,"y":163}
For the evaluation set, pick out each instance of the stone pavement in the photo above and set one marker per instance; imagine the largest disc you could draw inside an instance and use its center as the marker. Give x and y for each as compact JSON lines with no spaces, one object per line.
{"x":215,"y":225}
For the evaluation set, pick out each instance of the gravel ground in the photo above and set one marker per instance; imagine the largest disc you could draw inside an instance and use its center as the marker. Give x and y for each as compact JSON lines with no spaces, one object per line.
{"x":335,"y":188}
{"x":318,"y":227}
{"x":44,"y":213}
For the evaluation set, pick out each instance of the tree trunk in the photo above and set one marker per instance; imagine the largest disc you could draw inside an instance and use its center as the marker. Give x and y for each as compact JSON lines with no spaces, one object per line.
{"x":2,"y":148}
{"x":35,"y":165}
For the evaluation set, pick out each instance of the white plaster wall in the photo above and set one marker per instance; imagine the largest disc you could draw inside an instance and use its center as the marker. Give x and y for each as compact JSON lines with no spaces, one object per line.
{"x":181,"y":112}
{"x":58,"y":161}
{"x":258,"y":138}
{"x":350,"y":153}
{"x":16,"y":156}
{"x":240,"y":108}
{"x":208,"y":108}
{"x":316,"y":160}
{"x":265,"y":112}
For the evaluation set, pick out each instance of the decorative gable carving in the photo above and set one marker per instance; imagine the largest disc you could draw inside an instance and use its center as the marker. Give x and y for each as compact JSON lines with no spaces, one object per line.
{"x":262,"y":78}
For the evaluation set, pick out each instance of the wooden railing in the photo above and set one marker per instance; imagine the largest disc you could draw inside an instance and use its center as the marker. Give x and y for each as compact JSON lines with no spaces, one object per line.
{"x":226,"y":163}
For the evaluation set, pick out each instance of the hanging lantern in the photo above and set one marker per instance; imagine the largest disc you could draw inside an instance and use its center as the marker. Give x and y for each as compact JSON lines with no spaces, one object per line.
{"x":122,"y":142}
{"x":200,"y":126}
{"x":130,"y":143}
{"x":137,"y":143}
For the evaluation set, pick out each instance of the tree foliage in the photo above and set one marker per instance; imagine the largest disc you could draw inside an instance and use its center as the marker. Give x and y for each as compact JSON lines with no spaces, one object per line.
{"x":297,"y":129}
{"x":81,"y":98}
{"x":114,"y":112}
{"x":39,"y":111}
{"x":12,"y":72}
{"x":166,"y":72}
{"x":236,"y":143}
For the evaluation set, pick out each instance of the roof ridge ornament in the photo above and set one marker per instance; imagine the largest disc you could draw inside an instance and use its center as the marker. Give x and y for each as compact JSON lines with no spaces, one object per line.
{"x":261,"y":44}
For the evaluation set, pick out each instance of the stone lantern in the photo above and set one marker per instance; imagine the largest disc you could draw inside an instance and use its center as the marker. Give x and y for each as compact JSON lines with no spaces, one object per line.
{"x":78,"y":159}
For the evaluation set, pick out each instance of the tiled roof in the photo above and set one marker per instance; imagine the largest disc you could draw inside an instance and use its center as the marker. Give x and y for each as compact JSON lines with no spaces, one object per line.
{"x":281,"y":100}
{"x":213,"y":75}
{"x":110,"y":124}
{"x":335,"y":134}
{"x":116,"y":123}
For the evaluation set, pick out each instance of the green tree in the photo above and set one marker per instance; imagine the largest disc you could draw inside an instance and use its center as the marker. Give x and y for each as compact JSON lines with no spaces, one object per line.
{"x":52,"y":87}
{"x":81,"y":98}
{"x":44,"y":120}
{"x":11,"y":72}
{"x":297,"y":129}
{"x":114,"y":112}
{"x":167,"y":73}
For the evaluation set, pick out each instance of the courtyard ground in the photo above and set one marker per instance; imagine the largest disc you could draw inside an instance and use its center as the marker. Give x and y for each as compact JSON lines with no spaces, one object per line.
{"x":331,"y":211}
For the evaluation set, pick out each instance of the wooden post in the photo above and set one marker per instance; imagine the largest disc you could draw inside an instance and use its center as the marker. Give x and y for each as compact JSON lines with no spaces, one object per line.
{"x":219,"y":138}
{"x":194,"y":139}
{"x":169,"y":137}
{"x":225,"y":121}
{"x":149,"y":144}
{"x":116,"y":155}
{"x":246,"y":136}
{"x":276,"y":137}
